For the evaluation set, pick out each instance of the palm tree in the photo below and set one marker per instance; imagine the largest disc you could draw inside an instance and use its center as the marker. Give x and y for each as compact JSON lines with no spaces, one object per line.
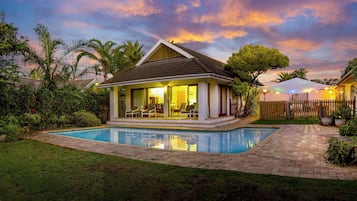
{"x":283,"y":76}
{"x":108,"y":57}
{"x":300,"y":73}
{"x":50,"y":60}
{"x":133,"y":52}
{"x":36,"y":74}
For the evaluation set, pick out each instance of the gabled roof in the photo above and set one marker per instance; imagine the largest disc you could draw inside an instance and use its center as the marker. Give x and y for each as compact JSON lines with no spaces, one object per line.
{"x":348,"y":78}
{"x":83,"y":84}
{"x":189,"y":65}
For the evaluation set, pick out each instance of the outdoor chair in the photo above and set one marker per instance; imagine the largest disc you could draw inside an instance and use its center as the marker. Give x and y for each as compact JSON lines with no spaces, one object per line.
{"x":189,"y":110}
{"x":133,"y":112}
{"x":151,"y":110}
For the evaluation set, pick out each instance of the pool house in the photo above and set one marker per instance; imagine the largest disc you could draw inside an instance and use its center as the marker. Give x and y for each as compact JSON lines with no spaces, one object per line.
{"x":173,"y":85}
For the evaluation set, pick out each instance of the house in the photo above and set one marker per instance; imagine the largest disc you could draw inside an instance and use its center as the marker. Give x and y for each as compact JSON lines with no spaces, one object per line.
{"x":173,"y":77}
{"x":347,"y":86}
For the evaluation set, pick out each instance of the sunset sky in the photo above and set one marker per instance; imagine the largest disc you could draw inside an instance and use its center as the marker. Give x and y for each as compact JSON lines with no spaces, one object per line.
{"x":318,"y":35}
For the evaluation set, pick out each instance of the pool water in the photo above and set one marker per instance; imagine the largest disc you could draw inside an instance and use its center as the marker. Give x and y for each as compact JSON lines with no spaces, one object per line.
{"x":235,"y":141}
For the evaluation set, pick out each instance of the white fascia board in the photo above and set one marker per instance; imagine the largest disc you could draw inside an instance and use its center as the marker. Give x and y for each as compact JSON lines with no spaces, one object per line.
{"x":157,"y":45}
{"x":168,"y":78}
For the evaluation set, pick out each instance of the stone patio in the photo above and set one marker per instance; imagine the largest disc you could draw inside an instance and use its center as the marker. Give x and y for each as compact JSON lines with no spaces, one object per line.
{"x":292,"y":150}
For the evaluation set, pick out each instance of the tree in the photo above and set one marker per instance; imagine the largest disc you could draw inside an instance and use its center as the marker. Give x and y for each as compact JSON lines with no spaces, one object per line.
{"x":11,"y":46}
{"x":299,"y":73}
{"x":328,"y":81}
{"x":283,"y":76}
{"x":351,"y":64}
{"x":108,"y":57}
{"x":132,"y":52}
{"x":246,"y":66}
{"x":51,"y":59}
{"x":253,"y":60}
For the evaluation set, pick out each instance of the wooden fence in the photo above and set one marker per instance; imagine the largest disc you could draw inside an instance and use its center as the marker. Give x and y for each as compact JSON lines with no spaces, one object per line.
{"x":278,"y":110}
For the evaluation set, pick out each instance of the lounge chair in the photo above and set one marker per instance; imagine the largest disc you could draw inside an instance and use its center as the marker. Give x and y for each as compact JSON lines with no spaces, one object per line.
{"x":133,"y":112}
{"x":187,"y":111}
{"x":151,"y":110}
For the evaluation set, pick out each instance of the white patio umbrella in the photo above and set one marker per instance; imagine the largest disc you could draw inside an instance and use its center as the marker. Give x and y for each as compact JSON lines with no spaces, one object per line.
{"x":296,"y":86}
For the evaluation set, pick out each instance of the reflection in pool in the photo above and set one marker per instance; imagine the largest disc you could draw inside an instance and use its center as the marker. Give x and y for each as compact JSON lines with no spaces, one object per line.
{"x":235,"y":141}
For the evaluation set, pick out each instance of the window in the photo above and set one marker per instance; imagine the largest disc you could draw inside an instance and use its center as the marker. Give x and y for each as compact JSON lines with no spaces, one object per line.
{"x":156,"y":95}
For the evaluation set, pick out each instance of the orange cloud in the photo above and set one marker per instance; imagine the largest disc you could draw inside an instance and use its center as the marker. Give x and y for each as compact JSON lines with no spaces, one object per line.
{"x":328,"y":11}
{"x":181,"y":8}
{"x":78,"y":24}
{"x":298,"y":44}
{"x":124,"y":8}
{"x":136,"y":7}
{"x":186,"y":36}
{"x":235,"y":13}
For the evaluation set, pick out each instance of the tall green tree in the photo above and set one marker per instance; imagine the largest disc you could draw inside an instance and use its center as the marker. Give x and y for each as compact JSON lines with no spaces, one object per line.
{"x":133,"y":52}
{"x":108,"y":57}
{"x":253,"y":60}
{"x":11,"y":47}
{"x":351,"y":65}
{"x":246,"y":65}
{"x":51,"y":58}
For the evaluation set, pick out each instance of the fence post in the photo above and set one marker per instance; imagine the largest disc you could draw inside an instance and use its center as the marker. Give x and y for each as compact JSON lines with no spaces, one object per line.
{"x":354,"y":106}
{"x":320,"y":109}
{"x":288,"y":110}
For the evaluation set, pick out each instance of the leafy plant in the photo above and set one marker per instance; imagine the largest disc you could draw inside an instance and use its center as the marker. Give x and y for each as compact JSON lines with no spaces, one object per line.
{"x":343,"y":112}
{"x":31,"y":121}
{"x":350,"y":129}
{"x":339,"y":152}
{"x":10,"y":127}
{"x":86,"y":119}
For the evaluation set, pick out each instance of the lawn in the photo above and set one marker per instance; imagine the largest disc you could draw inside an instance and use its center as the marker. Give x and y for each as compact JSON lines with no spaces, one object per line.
{"x":31,"y":170}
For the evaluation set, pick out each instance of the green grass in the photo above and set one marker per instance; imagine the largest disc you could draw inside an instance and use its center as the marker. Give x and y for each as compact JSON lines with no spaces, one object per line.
{"x":285,"y":121}
{"x":31,"y":170}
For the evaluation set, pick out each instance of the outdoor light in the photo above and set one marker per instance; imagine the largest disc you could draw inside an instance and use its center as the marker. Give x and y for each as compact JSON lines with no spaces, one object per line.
{"x":264,"y":92}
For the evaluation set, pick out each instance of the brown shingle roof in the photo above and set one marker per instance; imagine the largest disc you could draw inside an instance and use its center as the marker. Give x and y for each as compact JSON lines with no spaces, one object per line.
{"x":179,"y":66}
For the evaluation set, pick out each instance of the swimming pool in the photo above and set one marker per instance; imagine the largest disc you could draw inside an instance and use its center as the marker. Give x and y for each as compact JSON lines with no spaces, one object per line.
{"x":235,"y":141}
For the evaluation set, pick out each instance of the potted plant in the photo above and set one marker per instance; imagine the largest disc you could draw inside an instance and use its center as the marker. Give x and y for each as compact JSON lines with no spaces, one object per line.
{"x":342,"y":114}
{"x":326,"y":120}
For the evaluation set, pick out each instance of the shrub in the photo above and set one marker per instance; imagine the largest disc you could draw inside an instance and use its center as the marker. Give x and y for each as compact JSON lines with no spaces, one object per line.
{"x":342,"y":112}
{"x":85,"y":119}
{"x":10,"y":127}
{"x":11,"y":131}
{"x":339,"y":152}
{"x":31,"y":121}
{"x":350,"y":129}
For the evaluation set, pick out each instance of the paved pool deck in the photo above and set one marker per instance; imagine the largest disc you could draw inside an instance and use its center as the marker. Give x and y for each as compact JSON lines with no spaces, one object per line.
{"x":292,"y":150}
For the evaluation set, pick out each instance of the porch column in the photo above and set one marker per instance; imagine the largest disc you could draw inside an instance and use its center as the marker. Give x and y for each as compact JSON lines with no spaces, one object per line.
{"x":228,"y":101}
{"x":214,"y":100}
{"x":166,"y":101}
{"x":202,"y":100}
{"x":113,"y":103}
{"x":128,"y":99}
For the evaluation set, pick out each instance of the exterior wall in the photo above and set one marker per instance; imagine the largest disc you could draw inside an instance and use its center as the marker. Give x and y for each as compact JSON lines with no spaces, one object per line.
{"x":202,"y":100}
{"x":113,"y":103}
{"x":164,"y":52}
{"x":214,"y":99}
{"x":208,"y":96}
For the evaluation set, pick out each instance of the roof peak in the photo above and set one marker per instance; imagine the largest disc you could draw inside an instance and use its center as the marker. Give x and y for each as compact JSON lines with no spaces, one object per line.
{"x":167,"y":44}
